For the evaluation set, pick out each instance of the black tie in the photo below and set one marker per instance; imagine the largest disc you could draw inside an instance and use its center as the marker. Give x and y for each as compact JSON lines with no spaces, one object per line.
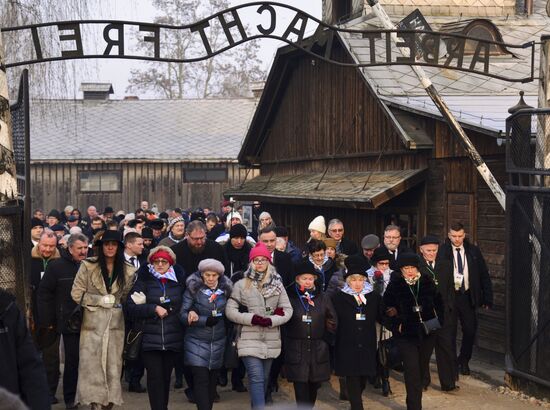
{"x":133,"y":260}
{"x":431,"y":264}
{"x":460,"y":268}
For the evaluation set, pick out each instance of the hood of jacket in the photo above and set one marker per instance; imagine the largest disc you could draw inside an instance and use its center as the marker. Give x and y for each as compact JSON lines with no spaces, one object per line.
{"x":195,"y":283}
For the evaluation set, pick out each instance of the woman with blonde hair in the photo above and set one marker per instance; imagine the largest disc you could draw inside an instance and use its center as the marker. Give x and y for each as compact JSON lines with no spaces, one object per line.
{"x":260,"y":304}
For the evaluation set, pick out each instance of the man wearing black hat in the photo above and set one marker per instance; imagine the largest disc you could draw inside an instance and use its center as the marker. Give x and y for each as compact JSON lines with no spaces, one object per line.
{"x":54,"y":217}
{"x":291,"y":249}
{"x":108,"y":213}
{"x":148,"y":239}
{"x":72,"y":220}
{"x":442,"y":273}
{"x":157,"y":230}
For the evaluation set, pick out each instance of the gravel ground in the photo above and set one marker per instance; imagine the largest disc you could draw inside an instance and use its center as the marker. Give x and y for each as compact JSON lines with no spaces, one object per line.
{"x":473,"y":394}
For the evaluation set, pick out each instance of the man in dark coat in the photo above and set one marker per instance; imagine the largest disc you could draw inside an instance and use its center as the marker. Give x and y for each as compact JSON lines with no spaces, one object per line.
{"x":281,"y":260}
{"x":290,"y":248}
{"x":196,"y":247}
{"x":41,"y":255}
{"x":473,"y":288}
{"x":56,"y":305}
{"x":441,"y":272}
{"x":392,"y":242}
{"x":344,"y":245}
{"x":21,"y":370}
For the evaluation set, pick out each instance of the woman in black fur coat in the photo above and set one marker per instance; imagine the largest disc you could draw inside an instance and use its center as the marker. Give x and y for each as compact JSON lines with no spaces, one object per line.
{"x":412,"y":303}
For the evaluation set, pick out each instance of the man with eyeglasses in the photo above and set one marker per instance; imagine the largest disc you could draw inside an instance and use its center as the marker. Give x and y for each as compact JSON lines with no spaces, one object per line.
{"x":343,"y":245}
{"x":392,"y":242}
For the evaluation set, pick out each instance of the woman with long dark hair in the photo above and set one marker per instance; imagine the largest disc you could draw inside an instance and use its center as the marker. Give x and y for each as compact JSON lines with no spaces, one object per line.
{"x":100,"y":286}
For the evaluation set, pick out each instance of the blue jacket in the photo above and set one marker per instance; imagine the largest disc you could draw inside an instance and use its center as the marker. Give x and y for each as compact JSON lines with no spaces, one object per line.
{"x":158,"y":334}
{"x":204,"y":345}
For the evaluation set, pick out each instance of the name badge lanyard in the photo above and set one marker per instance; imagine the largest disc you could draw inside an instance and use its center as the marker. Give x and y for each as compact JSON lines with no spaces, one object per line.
{"x":212,"y":299}
{"x":433,"y":274}
{"x":359,"y":315}
{"x":163,"y":288}
{"x":305,"y":318}
{"x":416,"y":308}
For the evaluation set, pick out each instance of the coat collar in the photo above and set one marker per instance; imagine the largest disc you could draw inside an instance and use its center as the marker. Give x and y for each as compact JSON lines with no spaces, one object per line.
{"x":35,"y":253}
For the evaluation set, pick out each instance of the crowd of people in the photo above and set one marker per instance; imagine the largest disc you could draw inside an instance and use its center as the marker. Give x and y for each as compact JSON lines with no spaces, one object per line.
{"x":200,"y":295}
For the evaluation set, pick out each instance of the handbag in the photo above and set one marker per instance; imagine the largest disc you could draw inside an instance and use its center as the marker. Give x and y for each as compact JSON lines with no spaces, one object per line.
{"x":431,"y":325}
{"x":389,"y":355}
{"x":132,"y":345}
{"x":74,"y":322}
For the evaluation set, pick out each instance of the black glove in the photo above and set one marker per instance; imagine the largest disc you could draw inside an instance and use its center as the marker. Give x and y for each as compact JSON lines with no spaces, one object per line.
{"x":212,"y":321}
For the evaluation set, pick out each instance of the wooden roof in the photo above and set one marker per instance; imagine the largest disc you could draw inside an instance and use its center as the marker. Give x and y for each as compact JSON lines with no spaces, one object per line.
{"x":366,"y":190}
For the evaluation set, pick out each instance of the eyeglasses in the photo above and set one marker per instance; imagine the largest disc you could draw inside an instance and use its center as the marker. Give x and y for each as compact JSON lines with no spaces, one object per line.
{"x":336,"y":230}
{"x":160,"y":262}
{"x":382,"y":263}
{"x":199,"y":239}
{"x":259,"y":261}
{"x":392,"y":237}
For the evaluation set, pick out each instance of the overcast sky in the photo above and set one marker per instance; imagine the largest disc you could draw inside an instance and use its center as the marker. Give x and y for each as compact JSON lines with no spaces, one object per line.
{"x":117,"y":71}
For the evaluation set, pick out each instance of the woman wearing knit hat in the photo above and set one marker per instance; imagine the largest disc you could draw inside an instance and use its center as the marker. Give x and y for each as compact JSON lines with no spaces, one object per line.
{"x":155,"y":301}
{"x":265,"y":220}
{"x":317,"y":228}
{"x":203,"y":313}
{"x":357,"y":309}
{"x":233,"y":218}
{"x":260,"y":304}
{"x":414,"y":309}
{"x":313,"y":321}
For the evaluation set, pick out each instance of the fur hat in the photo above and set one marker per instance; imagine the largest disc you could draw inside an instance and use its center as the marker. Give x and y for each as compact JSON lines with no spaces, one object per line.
{"x":164,"y":252}
{"x":55,"y":213}
{"x":36,"y":222}
{"x":381,"y":254}
{"x":330,"y":243}
{"x":370,"y":241}
{"x":147,"y":233}
{"x":407,"y":259}
{"x":304,"y":266}
{"x":318,"y":224}
{"x":259,"y":250}
{"x":211,"y":265}
{"x":238,"y":231}
{"x":356,"y":264}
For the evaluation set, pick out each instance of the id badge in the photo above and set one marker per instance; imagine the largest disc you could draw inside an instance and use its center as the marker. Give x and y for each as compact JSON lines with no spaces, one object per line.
{"x":417,"y":309}
{"x":268,"y":310}
{"x":164,"y":299}
{"x":215,"y":313}
{"x":306,"y":318}
{"x":360,"y":316}
{"x":458,"y":280}
{"x":41,"y":274}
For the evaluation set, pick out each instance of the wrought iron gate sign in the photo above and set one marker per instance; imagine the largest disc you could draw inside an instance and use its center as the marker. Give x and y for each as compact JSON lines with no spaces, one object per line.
{"x":423,"y":45}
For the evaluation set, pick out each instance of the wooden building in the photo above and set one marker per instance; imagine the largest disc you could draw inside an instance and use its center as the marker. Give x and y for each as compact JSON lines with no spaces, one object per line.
{"x":367,"y":146}
{"x":173,"y":153}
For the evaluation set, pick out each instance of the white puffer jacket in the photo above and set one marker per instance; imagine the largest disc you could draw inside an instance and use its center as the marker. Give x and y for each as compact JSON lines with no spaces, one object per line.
{"x":257,"y":341}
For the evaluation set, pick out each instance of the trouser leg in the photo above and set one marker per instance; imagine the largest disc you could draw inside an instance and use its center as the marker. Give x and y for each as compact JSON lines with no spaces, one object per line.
{"x":50,"y":357}
{"x":468,"y":323}
{"x":445,"y":357}
{"x":355,"y":388}
{"x":201,"y":387}
{"x":156,"y":390}
{"x":410,"y":353}
{"x":71,"y":342}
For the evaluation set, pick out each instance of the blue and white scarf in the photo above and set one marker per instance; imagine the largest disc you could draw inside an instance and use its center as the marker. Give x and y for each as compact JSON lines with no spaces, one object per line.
{"x":367,"y":288}
{"x":170,"y":274}
{"x":174,"y":239}
{"x":212,"y":295}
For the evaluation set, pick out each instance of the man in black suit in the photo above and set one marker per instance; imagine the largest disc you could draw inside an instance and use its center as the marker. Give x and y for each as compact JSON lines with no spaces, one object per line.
{"x":441,"y":271}
{"x":343,"y":245}
{"x":473,"y":289}
{"x":281,"y":260}
{"x":392,"y":242}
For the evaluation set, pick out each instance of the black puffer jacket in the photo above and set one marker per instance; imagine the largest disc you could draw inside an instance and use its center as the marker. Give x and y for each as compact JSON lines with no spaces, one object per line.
{"x":21,"y":370}
{"x":400,"y":296}
{"x":55,"y":303}
{"x":158,"y":334}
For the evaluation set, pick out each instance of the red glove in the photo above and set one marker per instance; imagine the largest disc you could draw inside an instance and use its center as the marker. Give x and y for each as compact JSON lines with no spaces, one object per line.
{"x":378,"y":275}
{"x":279,"y":312}
{"x":261,"y":321}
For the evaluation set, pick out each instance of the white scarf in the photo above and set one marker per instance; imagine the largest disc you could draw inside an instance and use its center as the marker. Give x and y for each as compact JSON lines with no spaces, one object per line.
{"x":170,"y":274}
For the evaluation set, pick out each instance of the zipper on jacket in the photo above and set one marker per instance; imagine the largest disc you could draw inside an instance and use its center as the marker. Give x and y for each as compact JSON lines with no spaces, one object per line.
{"x":162,"y":332}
